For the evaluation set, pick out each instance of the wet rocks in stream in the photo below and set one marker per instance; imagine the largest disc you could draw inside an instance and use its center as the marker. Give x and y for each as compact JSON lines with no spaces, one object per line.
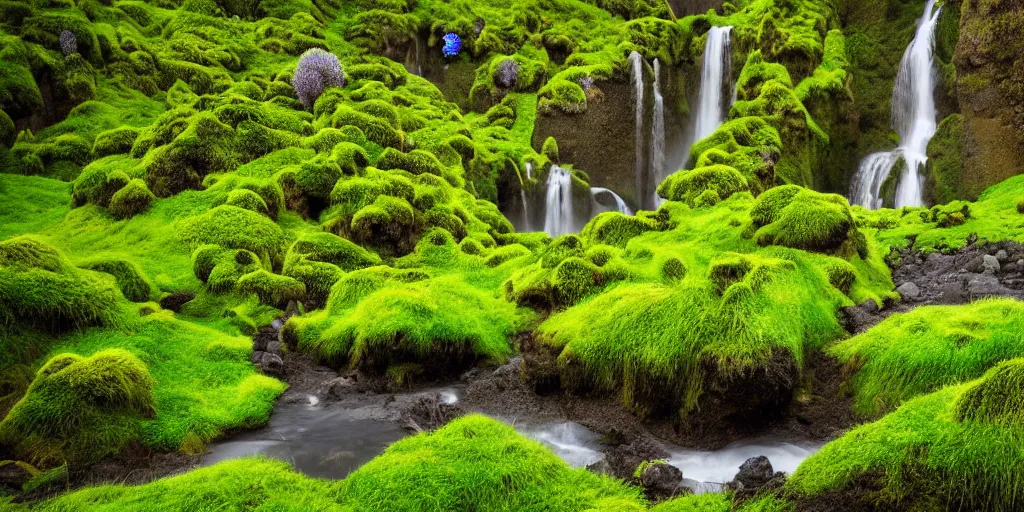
{"x":267,"y":354}
{"x":756,"y":475}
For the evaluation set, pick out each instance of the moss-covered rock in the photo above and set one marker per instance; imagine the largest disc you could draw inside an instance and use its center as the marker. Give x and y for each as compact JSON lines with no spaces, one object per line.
{"x":81,"y":409}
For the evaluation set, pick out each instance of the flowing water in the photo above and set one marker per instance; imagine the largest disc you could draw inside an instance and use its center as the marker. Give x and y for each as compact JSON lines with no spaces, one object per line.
{"x":709,"y":471}
{"x":331,"y":441}
{"x":657,"y":141}
{"x":913,"y":118}
{"x":636,"y":64}
{"x":600,"y":205}
{"x":558,"y":211}
{"x":526,"y":203}
{"x":716,"y":89}
{"x":320,"y":441}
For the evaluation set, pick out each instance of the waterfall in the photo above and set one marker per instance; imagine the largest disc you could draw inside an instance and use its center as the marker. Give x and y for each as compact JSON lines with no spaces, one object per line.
{"x":913,"y":117}
{"x":620,"y":205}
{"x":867,"y":183}
{"x":657,"y":140}
{"x":715,"y":79}
{"x":522,"y":195}
{"x":558,"y":214}
{"x":636,"y":63}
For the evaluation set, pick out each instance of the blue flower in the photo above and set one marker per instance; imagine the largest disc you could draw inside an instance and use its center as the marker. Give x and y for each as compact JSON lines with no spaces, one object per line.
{"x":452,"y":45}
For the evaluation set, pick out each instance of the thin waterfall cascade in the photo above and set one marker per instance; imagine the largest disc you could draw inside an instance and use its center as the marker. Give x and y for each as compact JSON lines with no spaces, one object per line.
{"x":657,"y":139}
{"x":914,"y":119}
{"x":522,"y":196}
{"x":716,"y":89}
{"x":867,"y":185}
{"x":526,"y":210}
{"x":558,"y":211}
{"x":599,"y":207}
{"x":636,"y":64}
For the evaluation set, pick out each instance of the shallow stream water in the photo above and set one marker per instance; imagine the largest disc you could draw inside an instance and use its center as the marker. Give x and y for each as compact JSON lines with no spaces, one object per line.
{"x":332,"y":440}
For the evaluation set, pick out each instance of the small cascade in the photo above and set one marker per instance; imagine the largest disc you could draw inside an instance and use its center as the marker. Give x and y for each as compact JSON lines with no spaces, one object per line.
{"x":558,"y":211}
{"x":914,"y":119}
{"x":866,"y":189}
{"x":657,"y":140}
{"x":636,"y":63}
{"x":522,"y":196}
{"x":599,"y":207}
{"x":715,"y":86}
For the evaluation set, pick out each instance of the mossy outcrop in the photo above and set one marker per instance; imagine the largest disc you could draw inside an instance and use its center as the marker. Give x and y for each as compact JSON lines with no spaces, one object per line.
{"x":80,"y":409}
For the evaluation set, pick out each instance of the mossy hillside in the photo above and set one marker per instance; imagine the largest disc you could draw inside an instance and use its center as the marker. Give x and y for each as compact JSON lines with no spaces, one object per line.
{"x":630,"y":337}
{"x":914,"y":353}
{"x":437,"y":309}
{"x":956,"y":447}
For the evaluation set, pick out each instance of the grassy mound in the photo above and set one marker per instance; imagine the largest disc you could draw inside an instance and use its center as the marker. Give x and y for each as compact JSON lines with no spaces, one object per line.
{"x":701,"y":309}
{"x":80,"y":409}
{"x":956,"y":448}
{"x":436,"y":307}
{"x":913,"y":353}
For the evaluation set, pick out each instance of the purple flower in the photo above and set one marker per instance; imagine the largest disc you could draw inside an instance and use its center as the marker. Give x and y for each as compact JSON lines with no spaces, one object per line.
{"x":68,"y":42}
{"x":317,"y":70}
{"x":508,"y":73}
{"x":586,"y":83}
{"x":452,"y":45}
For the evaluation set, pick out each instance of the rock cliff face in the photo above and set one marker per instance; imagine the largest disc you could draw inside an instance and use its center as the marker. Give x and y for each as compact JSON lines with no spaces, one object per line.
{"x":989,"y":61}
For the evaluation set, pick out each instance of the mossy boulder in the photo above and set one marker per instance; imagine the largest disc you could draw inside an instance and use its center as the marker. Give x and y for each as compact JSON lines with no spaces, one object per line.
{"x":129,"y":276}
{"x":794,"y":217}
{"x":81,"y":409}
{"x":131,"y":200}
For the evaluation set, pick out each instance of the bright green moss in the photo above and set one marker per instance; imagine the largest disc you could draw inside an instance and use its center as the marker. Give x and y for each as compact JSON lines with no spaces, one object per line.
{"x":129,"y":276}
{"x":115,"y":141}
{"x":550,"y":149}
{"x":81,"y":409}
{"x":39,"y":287}
{"x":235,"y":228}
{"x":131,"y":200}
{"x":272,"y":289}
{"x":806,"y":220}
{"x":435,"y":471}
{"x":996,"y":399}
{"x":688,"y":186}
{"x":914,"y":353}
{"x":616,"y":229}
{"x":469,"y":463}
{"x":248,"y":200}
{"x":708,"y":502}
{"x":924,"y":455}
{"x":376,"y":318}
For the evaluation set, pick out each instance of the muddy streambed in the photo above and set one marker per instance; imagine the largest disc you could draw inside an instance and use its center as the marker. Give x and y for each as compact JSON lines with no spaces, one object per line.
{"x":330,"y":440}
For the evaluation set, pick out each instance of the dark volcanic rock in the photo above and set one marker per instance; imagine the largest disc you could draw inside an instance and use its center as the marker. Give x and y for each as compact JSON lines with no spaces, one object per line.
{"x":755,"y":475}
{"x":661,"y":480}
{"x":176,"y":300}
{"x":621,"y":461}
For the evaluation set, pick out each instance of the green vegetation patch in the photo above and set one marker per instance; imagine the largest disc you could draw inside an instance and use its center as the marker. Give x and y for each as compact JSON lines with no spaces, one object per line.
{"x":957,"y":447}
{"x":910,"y":354}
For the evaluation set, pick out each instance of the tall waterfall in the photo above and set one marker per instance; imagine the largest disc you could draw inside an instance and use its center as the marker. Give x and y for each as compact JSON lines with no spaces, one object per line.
{"x":657,"y":140}
{"x":715,"y":86}
{"x":636,"y":63}
{"x":558,"y":214}
{"x":913,"y":117}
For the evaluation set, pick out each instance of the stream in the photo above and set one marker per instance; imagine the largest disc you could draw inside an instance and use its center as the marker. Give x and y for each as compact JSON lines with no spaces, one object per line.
{"x":332,"y":440}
